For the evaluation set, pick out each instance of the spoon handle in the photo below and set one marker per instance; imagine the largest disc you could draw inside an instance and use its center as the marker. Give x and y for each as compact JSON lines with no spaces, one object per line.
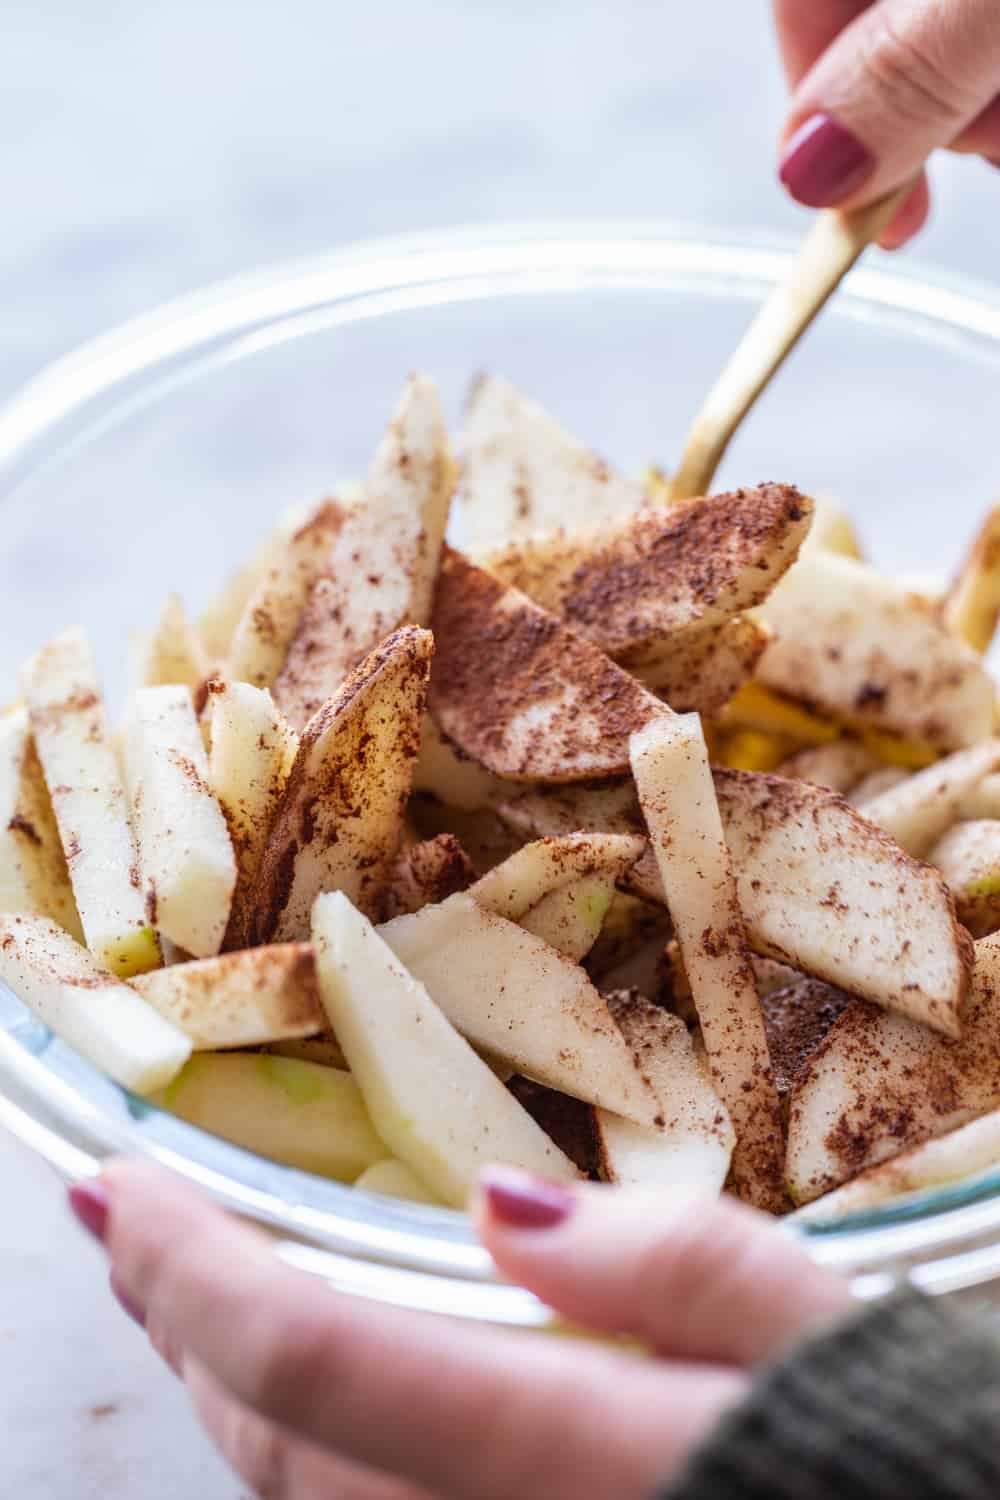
{"x":829,"y":250}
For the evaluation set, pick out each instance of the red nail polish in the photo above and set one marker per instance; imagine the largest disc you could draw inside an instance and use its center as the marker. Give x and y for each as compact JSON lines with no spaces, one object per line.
{"x":91,"y":1205}
{"x":125,"y":1302}
{"x":522,"y":1201}
{"x":823,"y":163}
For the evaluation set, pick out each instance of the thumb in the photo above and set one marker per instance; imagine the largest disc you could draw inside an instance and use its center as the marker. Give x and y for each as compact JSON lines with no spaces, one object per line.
{"x":692,"y":1277}
{"x":904,"y":78}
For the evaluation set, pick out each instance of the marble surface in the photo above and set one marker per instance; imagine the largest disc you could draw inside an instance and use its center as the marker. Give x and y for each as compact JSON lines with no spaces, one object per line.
{"x":147,"y":149}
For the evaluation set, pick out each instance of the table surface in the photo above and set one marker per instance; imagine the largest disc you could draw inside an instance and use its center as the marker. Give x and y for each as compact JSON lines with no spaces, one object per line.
{"x":148,"y":149}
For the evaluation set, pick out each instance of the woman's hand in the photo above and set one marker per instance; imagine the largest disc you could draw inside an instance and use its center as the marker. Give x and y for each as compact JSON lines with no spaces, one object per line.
{"x":310,"y":1394}
{"x":879,"y":85}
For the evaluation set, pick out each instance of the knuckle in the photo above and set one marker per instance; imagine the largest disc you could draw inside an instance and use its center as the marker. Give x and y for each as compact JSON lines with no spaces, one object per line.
{"x":292,"y":1363}
{"x":913,"y":80}
{"x":690,"y":1275}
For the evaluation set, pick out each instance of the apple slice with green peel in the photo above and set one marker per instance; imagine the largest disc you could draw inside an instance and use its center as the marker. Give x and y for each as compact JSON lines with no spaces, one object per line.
{"x":959,"y":1156}
{"x":524,"y":474}
{"x":880,"y":1083}
{"x":677,"y":795}
{"x":384,"y":560}
{"x":869,"y":652}
{"x":634,"y":584}
{"x":253,"y":748}
{"x":972,"y":606}
{"x":513,"y":995}
{"x":432,"y":1100}
{"x":428,"y":872}
{"x":969,"y":859}
{"x":34,"y":878}
{"x":87,"y":1006}
{"x":838,"y":766}
{"x":519,"y":692}
{"x":570,"y":919}
{"x":695,"y":1144}
{"x":700,"y":669}
{"x":239,"y":999}
{"x":290,"y":1111}
{"x":532,"y":873}
{"x":272,"y":613}
{"x":918,"y":810}
{"x":185,"y":852}
{"x":338,"y":824}
{"x":451,"y":777}
{"x":173,"y":652}
{"x":394,"y":1179}
{"x":84,"y":780}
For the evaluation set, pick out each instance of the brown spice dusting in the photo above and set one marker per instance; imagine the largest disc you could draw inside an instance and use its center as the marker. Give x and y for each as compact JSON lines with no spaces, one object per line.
{"x":796,"y":1020}
{"x":19,"y":824}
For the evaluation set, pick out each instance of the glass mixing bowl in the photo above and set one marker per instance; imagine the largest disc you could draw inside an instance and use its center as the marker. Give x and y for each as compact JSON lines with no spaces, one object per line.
{"x":154,"y":457}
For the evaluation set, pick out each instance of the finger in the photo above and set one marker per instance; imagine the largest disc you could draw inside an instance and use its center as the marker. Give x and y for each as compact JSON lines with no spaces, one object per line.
{"x":696,"y":1279}
{"x":464,"y":1411}
{"x":910,"y":218}
{"x":275,"y":1465}
{"x":807,"y":27}
{"x":982,"y":137}
{"x":903,"y":78}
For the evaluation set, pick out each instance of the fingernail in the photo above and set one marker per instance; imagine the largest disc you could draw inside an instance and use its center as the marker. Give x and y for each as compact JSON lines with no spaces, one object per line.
{"x":125,"y":1302}
{"x":994,"y":161}
{"x":522,"y":1201}
{"x":90,"y":1203}
{"x":823,"y":163}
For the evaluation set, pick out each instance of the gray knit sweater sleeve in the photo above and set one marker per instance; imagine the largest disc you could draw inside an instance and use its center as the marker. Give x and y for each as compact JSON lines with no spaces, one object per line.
{"x":901,"y":1401}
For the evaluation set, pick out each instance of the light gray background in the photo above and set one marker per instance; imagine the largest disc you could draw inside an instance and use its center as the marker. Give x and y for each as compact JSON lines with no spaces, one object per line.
{"x":146,"y":149}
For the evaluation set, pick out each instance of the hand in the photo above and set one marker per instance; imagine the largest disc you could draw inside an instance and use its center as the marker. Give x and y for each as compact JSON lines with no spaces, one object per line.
{"x":879,"y":85}
{"x":310,"y":1394}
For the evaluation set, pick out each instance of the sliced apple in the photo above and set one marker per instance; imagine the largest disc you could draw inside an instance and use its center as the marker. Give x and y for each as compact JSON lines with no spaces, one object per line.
{"x":394,"y":1179}
{"x":484,"y":837}
{"x":428,"y":872}
{"x":701,"y":669}
{"x":570,"y":919}
{"x":173,"y":652}
{"x":323,"y":1049}
{"x":253,"y":748}
{"x":839,"y":766}
{"x":918,"y":810}
{"x":185,"y":852}
{"x":519,"y":692}
{"x":338,"y":824}
{"x":239,"y":999}
{"x":522,"y":473}
{"x":384,"y":559}
{"x":290,"y":1111}
{"x":972,"y":606}
{"x":876,"y":783}
{"x":797,"y":1016}
{"x":862,"y":648}
{"x":695,"y":1144}
{"x":274,"y":609}
{"x":674,"y":782}
{"x":87,"y":1006}
{"x":451,"y":776}
{"x":84,"y":780}
{"x":969,"y":859}
{"x":34,"y":878}
{"x":632,"y":583}
{"x":879,"y":1084}
{"x":832,"y":530}
{"x":512,"y":995}
{"x":527,"y":877}
{"x":433,"y":1101}
{"x":984,"y":799}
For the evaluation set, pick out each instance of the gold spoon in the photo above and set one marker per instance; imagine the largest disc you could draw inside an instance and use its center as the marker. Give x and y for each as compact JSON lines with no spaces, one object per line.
{"x":828,"y":252}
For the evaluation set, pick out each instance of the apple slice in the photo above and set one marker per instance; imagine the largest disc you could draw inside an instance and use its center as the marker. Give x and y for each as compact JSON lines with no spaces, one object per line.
{"x":394,"y":1179}
{"x":253,"y":748}
{"x":427,"y":873}
{"x":433,"y":1101}
{"x":695,"y":1144}
{"x":185,"y":852}
{"x":519,"y":692}
{"x":272,"y":613}
{"x":512,"y":995}
{"x":87,"y":1006}
{"x":700,"y":669}
{"x":883,"y":779}
{"x":969,"y":859}
{"x":174,"y":652}
{"x":972,"y":606}
{"x":956,"y":1157}
{"x":450,"y":776}
{"x":514,"y":887}
{"x":674,"y":781}
{"x":838,"y":766}
{"x":797,"y":1016}
{"x":869,"y":652}
{"x":294,"y":1112}
{"x":384,"y":560}
{"x":917,"y":811}
{"x":323,"y":1049}
{"x":984,"y":799}
{"x":832,"y":530}
{"x":522,"y":473}
{"x":34,"y":878}
{"x":633,"y":583}
{"x":338,"y":823}
{"x":239,"y":999}
{"x":570,"y":919}
{"x":84,"y":780}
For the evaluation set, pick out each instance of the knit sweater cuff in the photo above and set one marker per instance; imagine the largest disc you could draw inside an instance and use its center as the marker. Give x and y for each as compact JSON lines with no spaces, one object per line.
{"x":900,"y":1401}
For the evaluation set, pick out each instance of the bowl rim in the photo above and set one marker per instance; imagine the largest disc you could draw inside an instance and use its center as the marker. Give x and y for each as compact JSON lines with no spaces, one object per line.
{"x":947,"y":1240}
